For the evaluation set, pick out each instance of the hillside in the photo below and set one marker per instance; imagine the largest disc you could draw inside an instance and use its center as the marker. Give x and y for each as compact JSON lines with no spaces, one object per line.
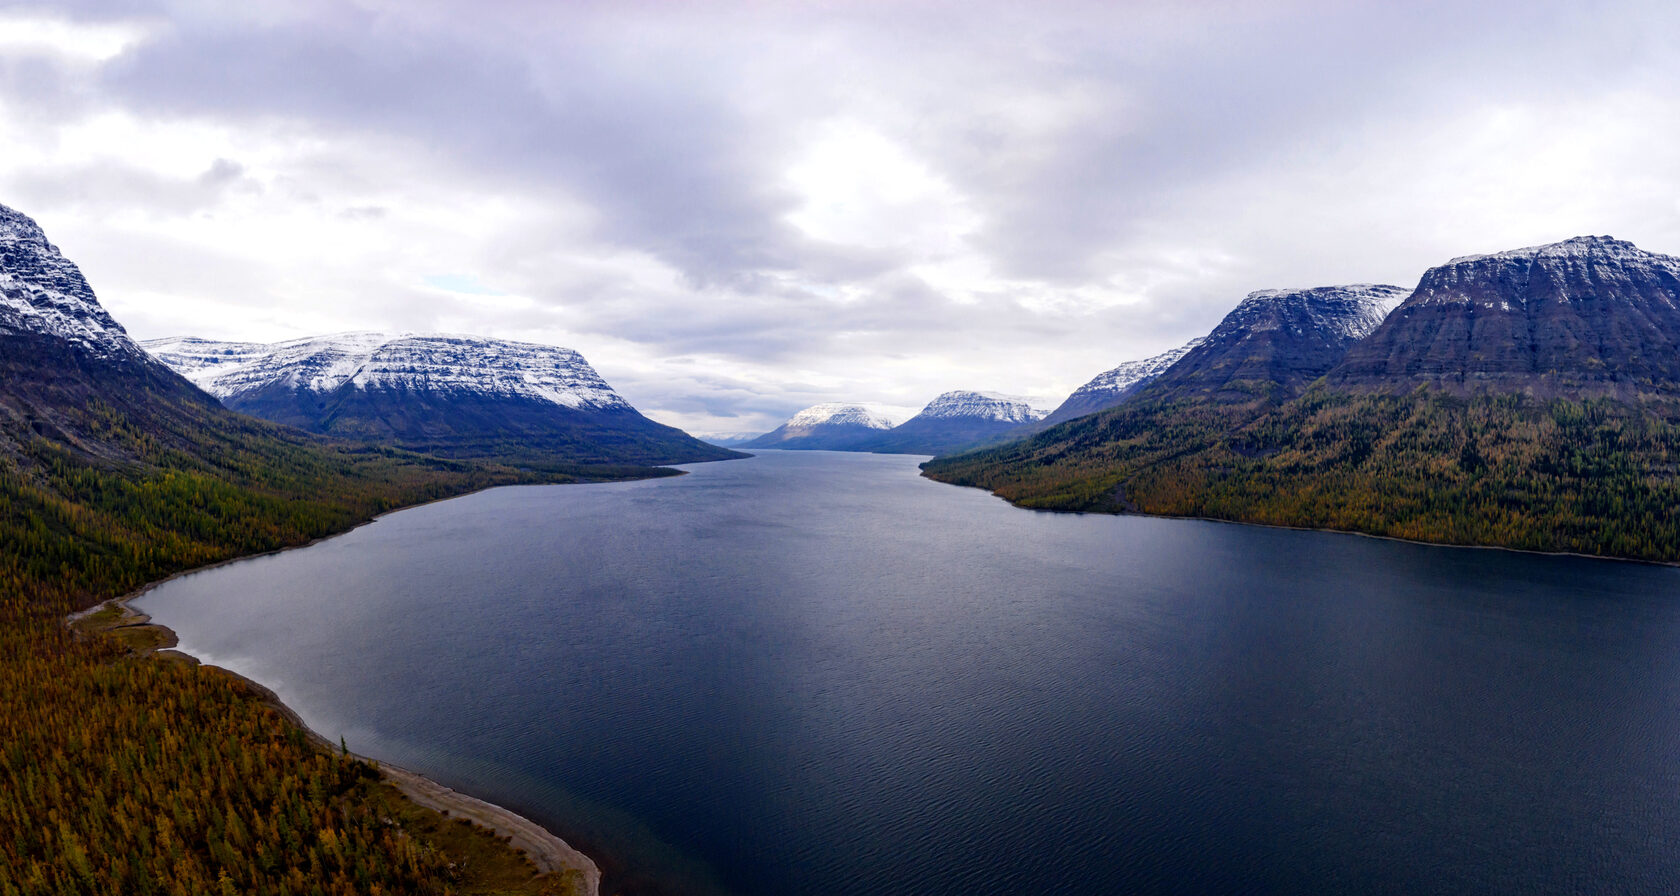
{"x":1527,"y":436}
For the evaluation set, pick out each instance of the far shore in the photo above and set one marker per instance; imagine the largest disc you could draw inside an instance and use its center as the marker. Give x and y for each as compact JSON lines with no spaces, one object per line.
{"x":1325,"y":529}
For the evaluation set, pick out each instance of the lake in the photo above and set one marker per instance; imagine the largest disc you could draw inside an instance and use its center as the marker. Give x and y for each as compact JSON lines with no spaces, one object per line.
{"x":811,"y":672}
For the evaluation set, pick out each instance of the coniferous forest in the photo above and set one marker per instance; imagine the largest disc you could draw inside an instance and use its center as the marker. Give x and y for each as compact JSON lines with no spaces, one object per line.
{"x":1588,"y":475}
{"x":121,"y":773}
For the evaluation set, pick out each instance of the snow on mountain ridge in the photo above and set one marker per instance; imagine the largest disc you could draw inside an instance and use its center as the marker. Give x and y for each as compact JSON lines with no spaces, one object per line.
{"x":423,"y":363}
{"x":834,"y":413}
{"x":1133,"y":372}
{"x":984,"y":405}
{"x":1353,"y":311}
{"x":1577,"y":247}
{"x":43,"y":292}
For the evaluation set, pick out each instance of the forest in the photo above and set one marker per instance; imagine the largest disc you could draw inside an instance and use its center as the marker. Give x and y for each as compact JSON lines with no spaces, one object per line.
{"x":1591,"y":475}
{"x":122,"y":773}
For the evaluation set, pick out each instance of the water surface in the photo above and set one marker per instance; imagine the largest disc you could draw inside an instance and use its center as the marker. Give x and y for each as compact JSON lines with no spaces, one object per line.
{"x":817,"y":672}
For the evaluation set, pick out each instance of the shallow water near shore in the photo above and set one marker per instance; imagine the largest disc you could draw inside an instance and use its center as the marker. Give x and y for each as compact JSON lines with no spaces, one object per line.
{"x":818,"y":672}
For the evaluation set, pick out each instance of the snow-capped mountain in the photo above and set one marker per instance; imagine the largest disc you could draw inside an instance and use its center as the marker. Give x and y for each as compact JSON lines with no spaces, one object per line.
{"x":44,"y":293}
{"x":830,"y":426}
{"x":956,"y":420}
{"x":730,"y":439}
{"x":1111,"y":387}
{"x":1276,"y":342}
{"x":66,"y":366}
{"x":443,"y":364}
{"x":981,"y":406}
{"x":455,"y":394}
{"x":1589,"y":315}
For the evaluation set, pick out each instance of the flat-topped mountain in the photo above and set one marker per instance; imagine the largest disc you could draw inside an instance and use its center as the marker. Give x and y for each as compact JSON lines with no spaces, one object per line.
{"x":1111,"y":387}
{"x":458,"y":395}
{"x":1276,"y":342}
{"x":956,"y":420}
{"x":831,"y":426}
{"x":1589,"y":315}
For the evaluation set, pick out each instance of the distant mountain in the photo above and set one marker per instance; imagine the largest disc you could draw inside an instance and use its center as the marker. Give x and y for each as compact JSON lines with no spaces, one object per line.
{"x":728,"y":439}
{"x":1110,"y":388}
{"x":461,"y":396}
{"x":828,"y":427}
{"x":953,"y":421}
{"x":1528,"y":398}
{"x":1276,"y":342}
{"x":1589,"y":315}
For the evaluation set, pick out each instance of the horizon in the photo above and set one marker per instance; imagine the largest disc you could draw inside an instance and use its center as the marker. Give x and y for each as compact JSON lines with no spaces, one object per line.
{"x":736,"y":212}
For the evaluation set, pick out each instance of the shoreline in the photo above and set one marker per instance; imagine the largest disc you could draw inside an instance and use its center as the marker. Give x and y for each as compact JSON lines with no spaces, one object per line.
{"x":1229,"y":522}
{"x":546,"y":850}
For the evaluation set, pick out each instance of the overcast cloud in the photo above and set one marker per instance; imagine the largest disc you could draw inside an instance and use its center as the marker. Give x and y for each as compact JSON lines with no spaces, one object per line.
{"x":737,"y":210}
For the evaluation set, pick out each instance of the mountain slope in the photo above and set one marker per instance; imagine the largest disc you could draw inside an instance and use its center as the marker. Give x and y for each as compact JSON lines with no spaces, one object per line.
{"x":454,"y":395}
{"x":1111,"y":387}
{"x":69,"y":371}
{"x":831,"y":426}
{"x":1589,"y":315}
{"x":953,"y":421}
{"x":1276,"y":342}
{"x":1444,"y":427}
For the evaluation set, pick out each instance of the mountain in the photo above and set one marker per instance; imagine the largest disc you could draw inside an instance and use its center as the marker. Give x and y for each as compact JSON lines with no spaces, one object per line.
{"x":1589,"y":315}
{"x":459,"y":396}
{"x":1111,"y":387}
{"x":1275,"y":342}
{"x":1528,"y":399}
{"x":825,"y":427}
{"x":728,"y":439}
{"x":64,"y":362}
{"x":953,"y":421}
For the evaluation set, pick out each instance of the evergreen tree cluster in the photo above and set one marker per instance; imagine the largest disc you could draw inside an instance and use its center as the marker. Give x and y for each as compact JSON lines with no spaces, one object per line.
{"x":127,"y":774}
{"x":1591,"y":475}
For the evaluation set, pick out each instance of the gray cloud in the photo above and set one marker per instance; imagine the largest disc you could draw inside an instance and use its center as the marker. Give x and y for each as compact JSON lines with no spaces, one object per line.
{"x":1097,"y":181}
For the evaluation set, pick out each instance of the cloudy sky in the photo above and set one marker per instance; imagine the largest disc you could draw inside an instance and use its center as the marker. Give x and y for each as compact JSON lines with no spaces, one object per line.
{"x":735,"y":210}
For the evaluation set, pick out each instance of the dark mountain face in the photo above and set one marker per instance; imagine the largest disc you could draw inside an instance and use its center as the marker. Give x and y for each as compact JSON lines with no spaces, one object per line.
{"x":456,"y":395}
{"x":1275,"y":343}
{"x":1590,"y":315}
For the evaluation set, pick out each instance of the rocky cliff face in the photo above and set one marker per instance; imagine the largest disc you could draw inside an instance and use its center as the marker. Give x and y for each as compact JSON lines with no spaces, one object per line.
{"x":1111,"y":387}
{"x":1276,"y":342}
{"x":460,"y":395}
{"x":1589,"y":315}
{"x":831,"y":426}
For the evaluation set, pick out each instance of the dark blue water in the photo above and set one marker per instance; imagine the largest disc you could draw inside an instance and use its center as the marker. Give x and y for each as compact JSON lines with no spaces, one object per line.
{"x":815,"y":673}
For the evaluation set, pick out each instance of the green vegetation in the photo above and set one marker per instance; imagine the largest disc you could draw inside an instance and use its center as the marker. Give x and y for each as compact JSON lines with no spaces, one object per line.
{"x":122,"y":774}
{"x":1594,"y":476}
